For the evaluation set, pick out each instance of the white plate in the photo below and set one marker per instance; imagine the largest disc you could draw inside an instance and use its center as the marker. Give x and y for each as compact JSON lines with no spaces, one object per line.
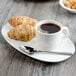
{"x":66,"y":46}
{"x":66,"y":8}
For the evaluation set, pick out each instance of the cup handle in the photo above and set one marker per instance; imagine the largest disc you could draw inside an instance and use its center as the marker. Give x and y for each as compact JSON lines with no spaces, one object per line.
{"x":65,"y":30}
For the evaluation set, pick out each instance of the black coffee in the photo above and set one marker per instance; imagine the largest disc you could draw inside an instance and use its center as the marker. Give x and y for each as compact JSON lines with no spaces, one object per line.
{"x":50,"y":27}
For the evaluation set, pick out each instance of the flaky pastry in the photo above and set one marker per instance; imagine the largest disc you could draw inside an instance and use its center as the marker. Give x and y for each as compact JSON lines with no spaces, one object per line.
{"x":22,"y":33}
{"x":19,"y":20}
{"x":70,"y":3}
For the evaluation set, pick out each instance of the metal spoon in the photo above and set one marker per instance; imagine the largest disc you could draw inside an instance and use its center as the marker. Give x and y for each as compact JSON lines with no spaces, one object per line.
{"x":31,"y":50}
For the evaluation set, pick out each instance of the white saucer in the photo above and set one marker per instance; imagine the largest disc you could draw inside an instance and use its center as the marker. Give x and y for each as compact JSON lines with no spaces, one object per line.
{"x":66,"y":46}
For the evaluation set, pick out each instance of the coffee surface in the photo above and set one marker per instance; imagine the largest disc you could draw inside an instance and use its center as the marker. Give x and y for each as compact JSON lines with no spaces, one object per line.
{"x":50,"y":27}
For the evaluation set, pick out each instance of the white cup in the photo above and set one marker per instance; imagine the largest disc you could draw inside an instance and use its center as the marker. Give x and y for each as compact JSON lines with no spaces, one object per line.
{"x":48,"y":42}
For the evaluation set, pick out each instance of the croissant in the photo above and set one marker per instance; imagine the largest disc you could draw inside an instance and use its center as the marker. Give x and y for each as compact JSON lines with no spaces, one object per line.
{"x":22,"y":33}
{"x":19,"y":20}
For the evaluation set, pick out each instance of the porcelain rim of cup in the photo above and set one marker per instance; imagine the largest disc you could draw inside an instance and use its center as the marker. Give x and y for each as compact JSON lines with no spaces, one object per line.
{"x":48,"y":21}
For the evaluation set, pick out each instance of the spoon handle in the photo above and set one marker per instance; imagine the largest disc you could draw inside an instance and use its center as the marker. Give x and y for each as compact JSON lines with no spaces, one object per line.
{"x":60,"y":53}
